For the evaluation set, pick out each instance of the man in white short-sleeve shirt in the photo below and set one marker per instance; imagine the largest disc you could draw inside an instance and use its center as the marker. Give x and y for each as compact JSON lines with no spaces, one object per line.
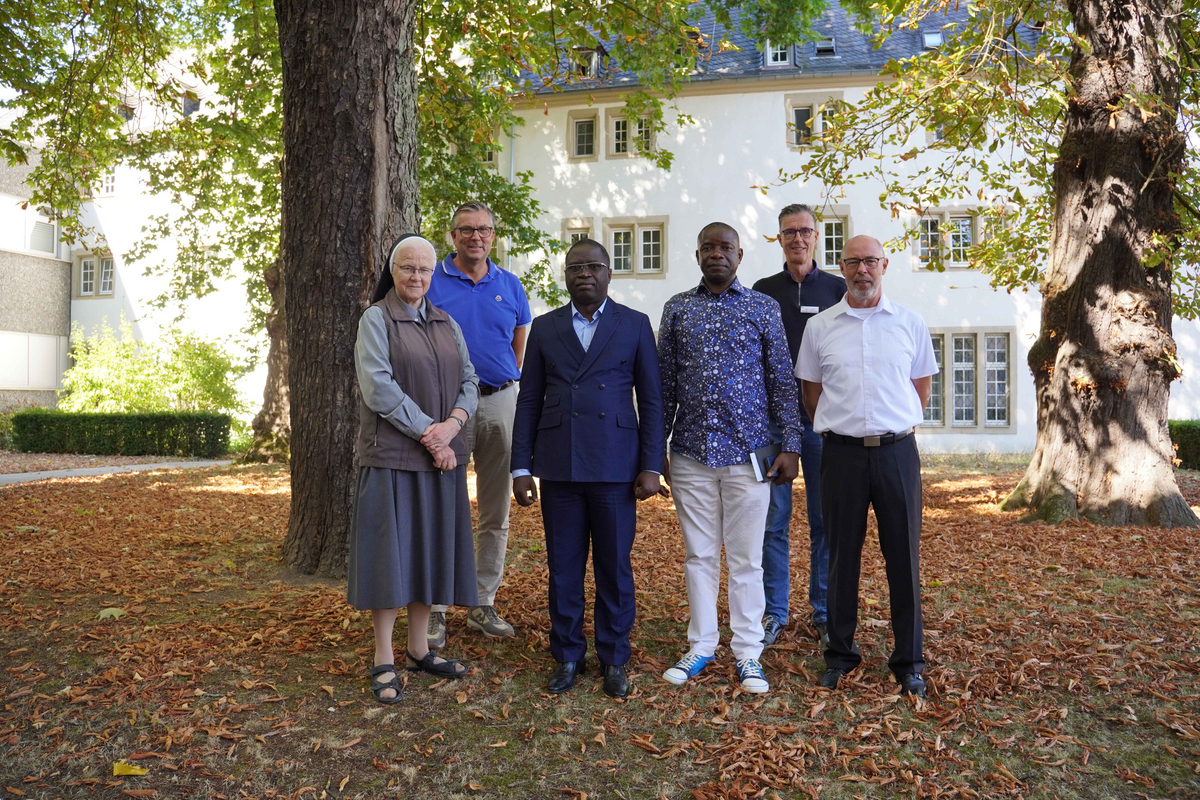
{"x":866,"y":367}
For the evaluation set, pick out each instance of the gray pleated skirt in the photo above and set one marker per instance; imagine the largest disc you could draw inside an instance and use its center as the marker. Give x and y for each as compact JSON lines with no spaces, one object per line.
{"x":411,"y":540}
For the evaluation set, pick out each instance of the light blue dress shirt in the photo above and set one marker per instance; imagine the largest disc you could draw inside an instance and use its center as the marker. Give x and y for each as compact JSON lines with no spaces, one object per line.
{"x":585,"y":330}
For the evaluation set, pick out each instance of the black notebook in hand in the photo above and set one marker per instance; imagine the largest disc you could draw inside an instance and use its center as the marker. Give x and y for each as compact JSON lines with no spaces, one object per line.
{"x":763,"y":458}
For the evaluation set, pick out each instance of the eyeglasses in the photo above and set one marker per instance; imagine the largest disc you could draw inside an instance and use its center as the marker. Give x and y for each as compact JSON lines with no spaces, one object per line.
{"x":787,"y":234}
{"x":590,"y":267}
{"x":466,"y":231}
{"x":424,"y":272}
{"x":870,"y":262}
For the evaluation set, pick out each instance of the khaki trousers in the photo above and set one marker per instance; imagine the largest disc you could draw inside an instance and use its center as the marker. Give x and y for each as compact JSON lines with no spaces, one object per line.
{"x":489,"y":439}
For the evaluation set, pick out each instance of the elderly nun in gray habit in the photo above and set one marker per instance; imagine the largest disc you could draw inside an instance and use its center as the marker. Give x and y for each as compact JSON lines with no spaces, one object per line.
{"x":410,"y":539}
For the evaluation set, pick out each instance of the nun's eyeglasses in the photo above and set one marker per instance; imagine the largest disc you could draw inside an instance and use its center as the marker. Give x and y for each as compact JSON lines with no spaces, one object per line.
{"x":424,"y":272}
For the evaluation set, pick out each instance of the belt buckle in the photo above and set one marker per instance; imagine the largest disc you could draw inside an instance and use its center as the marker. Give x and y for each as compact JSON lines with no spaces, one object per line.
{"x":870,"y":441}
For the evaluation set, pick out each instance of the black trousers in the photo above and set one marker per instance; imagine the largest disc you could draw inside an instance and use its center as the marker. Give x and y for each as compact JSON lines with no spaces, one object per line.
{"x":601,"y":517}
{"x":889,"y":479}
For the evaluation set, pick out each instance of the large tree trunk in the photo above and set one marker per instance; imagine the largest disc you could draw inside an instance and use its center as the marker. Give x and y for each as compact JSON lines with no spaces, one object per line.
{"x":272,"y":425}
{"x":350,"y":146}
{"x":1105,"y":358}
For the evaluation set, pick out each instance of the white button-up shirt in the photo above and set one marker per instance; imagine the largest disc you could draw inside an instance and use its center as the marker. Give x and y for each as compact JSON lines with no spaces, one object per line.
{"x":585,"y":329}
{"x":866,"y":360}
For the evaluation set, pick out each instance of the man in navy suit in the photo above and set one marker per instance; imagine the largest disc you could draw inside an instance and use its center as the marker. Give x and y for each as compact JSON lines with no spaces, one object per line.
{"x":576,"y":430}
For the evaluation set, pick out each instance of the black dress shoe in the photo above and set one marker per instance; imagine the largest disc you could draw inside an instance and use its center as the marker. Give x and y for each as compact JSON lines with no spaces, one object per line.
{"x":564,"y":675}
{"x":831,"y":677}
{"x":912,"y":683}
{"x":616,"y":682}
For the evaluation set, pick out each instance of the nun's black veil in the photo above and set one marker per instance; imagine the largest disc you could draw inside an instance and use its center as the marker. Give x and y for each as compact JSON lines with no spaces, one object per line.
{"x":386,"y":281}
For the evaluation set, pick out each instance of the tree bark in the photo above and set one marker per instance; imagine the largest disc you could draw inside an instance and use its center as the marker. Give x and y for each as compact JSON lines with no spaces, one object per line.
{"x":272,"y":425}
{"x":1105,"y":357}
{"x":350,"y":187}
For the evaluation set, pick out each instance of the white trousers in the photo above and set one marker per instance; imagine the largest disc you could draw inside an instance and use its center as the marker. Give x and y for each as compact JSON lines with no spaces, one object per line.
{"x":723,"y":505}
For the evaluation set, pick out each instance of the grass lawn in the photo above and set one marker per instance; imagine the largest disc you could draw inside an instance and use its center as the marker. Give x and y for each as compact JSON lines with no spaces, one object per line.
{"x":148,"y":621}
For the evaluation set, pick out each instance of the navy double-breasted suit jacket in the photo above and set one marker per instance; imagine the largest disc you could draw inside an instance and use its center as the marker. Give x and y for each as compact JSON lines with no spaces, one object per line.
{"x":575,"y":414}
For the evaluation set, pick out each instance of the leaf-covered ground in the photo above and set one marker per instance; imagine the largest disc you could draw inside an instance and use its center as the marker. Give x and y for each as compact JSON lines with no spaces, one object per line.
{"x":149,"y":623}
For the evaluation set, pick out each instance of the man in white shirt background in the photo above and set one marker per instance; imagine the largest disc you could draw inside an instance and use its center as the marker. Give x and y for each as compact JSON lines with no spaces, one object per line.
{"x":866,"y":368}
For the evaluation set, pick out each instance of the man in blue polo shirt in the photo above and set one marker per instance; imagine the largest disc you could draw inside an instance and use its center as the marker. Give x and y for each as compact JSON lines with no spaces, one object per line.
{"x":802,"y":291}
{"x":490,"y":306}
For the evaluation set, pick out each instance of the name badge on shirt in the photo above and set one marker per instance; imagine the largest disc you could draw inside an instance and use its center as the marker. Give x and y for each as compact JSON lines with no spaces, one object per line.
{"x":810,"y":309}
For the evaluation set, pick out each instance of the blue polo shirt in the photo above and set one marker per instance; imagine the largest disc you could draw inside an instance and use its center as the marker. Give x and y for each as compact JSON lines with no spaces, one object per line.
{"x":488,"y":312}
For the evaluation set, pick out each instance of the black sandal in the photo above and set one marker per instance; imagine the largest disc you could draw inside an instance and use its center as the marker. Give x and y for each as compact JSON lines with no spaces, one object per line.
{"x":377,"y":686}
{"x":446,"y":669}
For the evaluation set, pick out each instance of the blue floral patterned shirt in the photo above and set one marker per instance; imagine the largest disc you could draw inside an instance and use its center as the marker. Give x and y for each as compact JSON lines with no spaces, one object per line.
{"x":725,"y":371}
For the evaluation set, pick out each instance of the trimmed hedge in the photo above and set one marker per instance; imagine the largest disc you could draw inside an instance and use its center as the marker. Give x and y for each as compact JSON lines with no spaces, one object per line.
{"x":168,"y":433}
{"x":1185,"y":433}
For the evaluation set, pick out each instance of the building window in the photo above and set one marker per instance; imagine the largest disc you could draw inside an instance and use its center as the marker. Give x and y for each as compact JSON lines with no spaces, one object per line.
{"x":935,"y":413}
{"x":584,"y":138}
{"x":996,"y":380}
{"x":959,"y":239}
{"x":108,"y":184}
{"x":87,"y":276}
{"x":802,"y":124}
{"x":587,"y":64}
{"x":627,"y":137}
{"x":106,"y":276}
{"x":834,"y":238}
{"x":620,"y":136}
{"x":825,"y":47}
{"x":41,"y":237}
{"x":931,"y":40}
{"x":578,"y":234}
{"x":777,"y":55}
{"x":191,"y":103}
{"x":929,"y":242}
{"x":963,"y":379}
{"x":622,"y":250}
{"x":637,"y":245}
{"x":652,"y":249}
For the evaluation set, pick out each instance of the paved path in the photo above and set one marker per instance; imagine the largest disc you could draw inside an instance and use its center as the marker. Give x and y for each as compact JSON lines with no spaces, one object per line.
{"x":27,"y":477}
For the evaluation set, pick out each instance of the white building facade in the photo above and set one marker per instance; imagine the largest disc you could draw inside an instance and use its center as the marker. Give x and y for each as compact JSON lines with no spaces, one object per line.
{"x":746,"y":113}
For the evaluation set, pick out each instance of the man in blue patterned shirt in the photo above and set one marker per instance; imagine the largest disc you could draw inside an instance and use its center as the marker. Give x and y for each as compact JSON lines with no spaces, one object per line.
{"x":726,"y":374}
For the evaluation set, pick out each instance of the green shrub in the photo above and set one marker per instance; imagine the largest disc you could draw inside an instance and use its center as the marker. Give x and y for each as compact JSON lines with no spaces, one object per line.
{"x":180,"y":372}
{"x":169,"y":433}
{"x":1185,"y":433}
{"x":6,"y":431}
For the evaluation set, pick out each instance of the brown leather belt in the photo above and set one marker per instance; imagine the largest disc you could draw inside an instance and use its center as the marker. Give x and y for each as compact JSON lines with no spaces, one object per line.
{"x":485,"y":389}
{"x":867,"y":441}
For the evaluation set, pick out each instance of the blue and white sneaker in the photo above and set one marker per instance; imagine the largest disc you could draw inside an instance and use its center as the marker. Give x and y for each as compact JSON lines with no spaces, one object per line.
{"x":688,"y":667}
{"x":751,"y":675}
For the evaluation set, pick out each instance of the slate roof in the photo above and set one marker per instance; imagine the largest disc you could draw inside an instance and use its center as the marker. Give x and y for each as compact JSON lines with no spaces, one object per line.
{"x":854,"y":52}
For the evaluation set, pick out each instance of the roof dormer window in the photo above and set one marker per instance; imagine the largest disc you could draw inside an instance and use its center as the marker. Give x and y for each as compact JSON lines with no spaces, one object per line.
{"x":826,"y":47}
{"x":931,"y":40}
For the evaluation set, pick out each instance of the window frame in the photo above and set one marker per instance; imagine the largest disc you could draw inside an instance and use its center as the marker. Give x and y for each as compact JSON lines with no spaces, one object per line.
{"x":84,"y":278}
{"x":637,"y":127}
{"x":630,"y":256}
{"x":979,"y":398}
{"x":770,"y":51}
{"x":988,"y":381}
{"x":829,"y":43}
{"x":937,"y":389}
{"x":574,"y":117}
{"x":638,"y":228}
{"x":816,"y":103}
{"x":107,"y":271}
{"x":932,"y":40}
{"x":946,"y":254}
{"x":971,"y":368}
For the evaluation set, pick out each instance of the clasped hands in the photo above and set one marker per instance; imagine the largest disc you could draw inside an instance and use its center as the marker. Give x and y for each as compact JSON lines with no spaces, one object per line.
{"x":436,"y":439}
{"x":645,"y":486}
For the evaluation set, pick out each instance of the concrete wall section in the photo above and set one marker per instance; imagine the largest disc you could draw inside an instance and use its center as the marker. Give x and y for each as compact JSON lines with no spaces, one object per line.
{"x":12,"y":400}
{"x":37,"y":294}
